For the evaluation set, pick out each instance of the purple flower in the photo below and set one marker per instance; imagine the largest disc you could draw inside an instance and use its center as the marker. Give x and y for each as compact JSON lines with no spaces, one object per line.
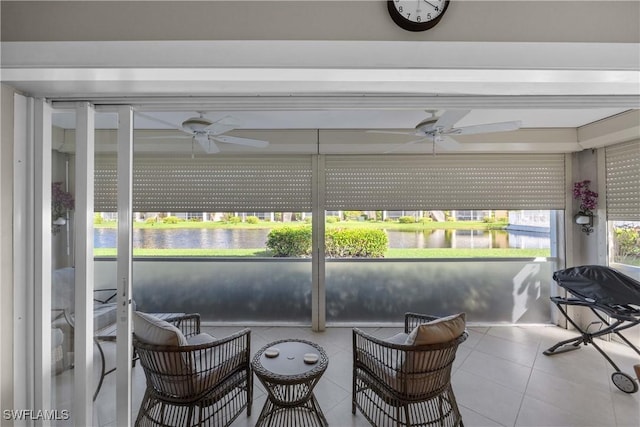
{"x":61,"y":201}
{"x":588,"y":199}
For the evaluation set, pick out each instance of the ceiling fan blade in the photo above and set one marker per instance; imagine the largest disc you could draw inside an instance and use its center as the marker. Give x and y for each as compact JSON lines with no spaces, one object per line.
{"x":398,"y":147}
{"x":164,"y":137}
{"x":223,"y":125}
{"x":256,"y":143}
{"x":488,"y":128}
{"x":446,"y":142}
{"x":391,"y":132}
{"x":157,"y":120}
{"x":208,"y":145}
{"x":450,"y":118}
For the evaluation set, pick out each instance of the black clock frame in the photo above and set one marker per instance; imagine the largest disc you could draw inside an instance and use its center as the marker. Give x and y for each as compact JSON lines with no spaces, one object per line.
{"x":404,"y":23}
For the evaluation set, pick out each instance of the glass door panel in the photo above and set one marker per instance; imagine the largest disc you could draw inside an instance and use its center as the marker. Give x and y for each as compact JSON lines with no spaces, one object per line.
{"x":62,"y":275}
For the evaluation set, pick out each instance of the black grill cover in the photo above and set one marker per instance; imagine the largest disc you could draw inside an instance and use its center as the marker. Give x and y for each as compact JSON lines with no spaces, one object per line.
{"x":599,"y":284}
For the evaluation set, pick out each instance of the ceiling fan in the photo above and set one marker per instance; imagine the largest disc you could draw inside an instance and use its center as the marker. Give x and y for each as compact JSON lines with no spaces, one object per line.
{"x":439,"y":129}
{"x":207,"y":132}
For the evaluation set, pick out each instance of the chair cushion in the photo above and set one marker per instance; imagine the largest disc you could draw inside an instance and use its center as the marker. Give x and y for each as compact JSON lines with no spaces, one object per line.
{"x":104,"y":315}
{"x":152,"y":330}
{"x":202,"y":338}
{"x":438,"y":331}
{"x":399,"y":338}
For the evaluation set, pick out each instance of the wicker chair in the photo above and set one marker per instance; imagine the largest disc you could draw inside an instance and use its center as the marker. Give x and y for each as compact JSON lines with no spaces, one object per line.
{"x":395,"y":384}
{"x":207,"y":383}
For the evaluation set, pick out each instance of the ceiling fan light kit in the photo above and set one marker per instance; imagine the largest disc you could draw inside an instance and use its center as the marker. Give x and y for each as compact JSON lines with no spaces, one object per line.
{"x":196,"y":124}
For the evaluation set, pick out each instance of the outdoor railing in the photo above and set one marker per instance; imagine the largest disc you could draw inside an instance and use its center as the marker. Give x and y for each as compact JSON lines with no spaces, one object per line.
{"x":278,"y":290}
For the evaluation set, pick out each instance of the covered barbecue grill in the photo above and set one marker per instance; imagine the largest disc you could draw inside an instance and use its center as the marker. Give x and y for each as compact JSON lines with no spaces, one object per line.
{"x":608,"y":293}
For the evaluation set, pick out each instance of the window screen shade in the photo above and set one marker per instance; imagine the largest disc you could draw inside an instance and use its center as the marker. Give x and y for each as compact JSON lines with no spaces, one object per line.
{"x":373,"y":182}
{"x":212,"y":184}
{"x":623,"y":181}
{"x":445,"y":182}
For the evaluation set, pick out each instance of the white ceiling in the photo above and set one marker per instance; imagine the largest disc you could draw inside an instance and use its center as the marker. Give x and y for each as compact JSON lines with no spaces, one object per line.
{"x":355,"y":119}
{"x":280,"y":85}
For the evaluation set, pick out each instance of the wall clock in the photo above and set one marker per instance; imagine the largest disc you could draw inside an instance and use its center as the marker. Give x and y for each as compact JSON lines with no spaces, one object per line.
{"x":417,"y":15}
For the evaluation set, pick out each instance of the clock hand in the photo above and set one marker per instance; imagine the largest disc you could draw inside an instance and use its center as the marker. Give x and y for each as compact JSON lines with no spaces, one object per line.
{"x":430,"y":4}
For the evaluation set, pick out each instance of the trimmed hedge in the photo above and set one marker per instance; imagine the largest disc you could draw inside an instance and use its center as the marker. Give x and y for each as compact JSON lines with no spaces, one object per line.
{"x":339,"y":243}
{"x":406,"y":220}
{"x":252,"y":219}
{"x":290,"y":241}
{"x":356,"y":243}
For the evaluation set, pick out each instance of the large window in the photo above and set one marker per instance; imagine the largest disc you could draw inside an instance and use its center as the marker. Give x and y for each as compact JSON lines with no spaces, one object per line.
{"x":460,"y":232}
{"x":623,"y":205}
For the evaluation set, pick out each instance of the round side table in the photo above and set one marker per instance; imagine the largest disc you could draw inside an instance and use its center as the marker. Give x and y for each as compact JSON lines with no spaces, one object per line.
{"x":289,"y":379}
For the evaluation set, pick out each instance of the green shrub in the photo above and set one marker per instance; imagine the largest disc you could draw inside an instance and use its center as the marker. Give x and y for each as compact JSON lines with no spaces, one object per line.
{"x":234,"y":220}
{"x":151,"y":220}
{"x":308,"y":219}
{"x":252,"y":220}
{"x":170,"y":220}
{"x":341,"y":243}
{"x":351,"y":215}
{"x":426,"y":219}
{"x":351,"y":243}
{"x":406,"y":220}
{"x":290,"y":241}
{"x":97,"y":218}
{"x":626,"y":242}
{"x":332,"y":219}
{"x":195,"y":219}
{"x":451,"y":219}
{"x":488,"y":219}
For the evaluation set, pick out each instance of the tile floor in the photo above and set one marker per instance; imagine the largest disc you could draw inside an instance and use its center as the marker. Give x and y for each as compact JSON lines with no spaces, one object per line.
{"x":500,"y":378}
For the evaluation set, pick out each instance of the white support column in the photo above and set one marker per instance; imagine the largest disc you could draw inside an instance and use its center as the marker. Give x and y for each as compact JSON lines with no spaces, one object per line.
{"x":84,"y":271}
{"x":23,"y":252}
{"x":42,"y":256}
{"x":318,"y":293}
{"x":124,"y":266}
{"x":600,"y":220}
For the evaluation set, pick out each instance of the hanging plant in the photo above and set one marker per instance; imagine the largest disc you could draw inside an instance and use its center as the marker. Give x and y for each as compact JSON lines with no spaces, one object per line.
{"x":588,"y":203}
{"x":588,"y":199}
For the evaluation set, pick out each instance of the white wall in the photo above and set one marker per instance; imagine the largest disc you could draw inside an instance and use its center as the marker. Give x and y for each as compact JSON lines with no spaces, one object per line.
{"x":482,"y":21}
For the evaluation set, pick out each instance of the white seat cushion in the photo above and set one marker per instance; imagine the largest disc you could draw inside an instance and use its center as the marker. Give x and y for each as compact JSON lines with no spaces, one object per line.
{"x":399,"y":338}
{"x":438,"y":331}
{"x":152,"y":330}
{"x":202,"y":338}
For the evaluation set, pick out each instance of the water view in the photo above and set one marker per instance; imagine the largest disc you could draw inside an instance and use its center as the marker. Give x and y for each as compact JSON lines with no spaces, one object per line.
{"x":227,"y":238}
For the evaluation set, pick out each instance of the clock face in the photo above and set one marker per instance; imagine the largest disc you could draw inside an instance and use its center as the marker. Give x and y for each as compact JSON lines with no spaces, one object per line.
{"x":417,"y":15}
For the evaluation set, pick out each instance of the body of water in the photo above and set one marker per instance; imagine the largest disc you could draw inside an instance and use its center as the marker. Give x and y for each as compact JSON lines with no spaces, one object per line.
{"x":221,"y":238}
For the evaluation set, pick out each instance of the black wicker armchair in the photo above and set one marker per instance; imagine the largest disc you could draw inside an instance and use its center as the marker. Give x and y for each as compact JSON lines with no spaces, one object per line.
{"x":201,"y":382}
{"x":399,"y":384}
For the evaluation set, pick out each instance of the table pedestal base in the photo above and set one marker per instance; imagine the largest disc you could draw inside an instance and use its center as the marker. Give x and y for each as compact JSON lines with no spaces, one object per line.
{"x":307,"y":414}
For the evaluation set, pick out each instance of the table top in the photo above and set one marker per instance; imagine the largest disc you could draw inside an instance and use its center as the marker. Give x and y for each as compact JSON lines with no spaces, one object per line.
{"x":289,"y":364}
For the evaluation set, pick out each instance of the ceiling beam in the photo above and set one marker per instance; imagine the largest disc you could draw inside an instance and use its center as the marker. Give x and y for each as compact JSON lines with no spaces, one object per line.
{"x":612,"y":130}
